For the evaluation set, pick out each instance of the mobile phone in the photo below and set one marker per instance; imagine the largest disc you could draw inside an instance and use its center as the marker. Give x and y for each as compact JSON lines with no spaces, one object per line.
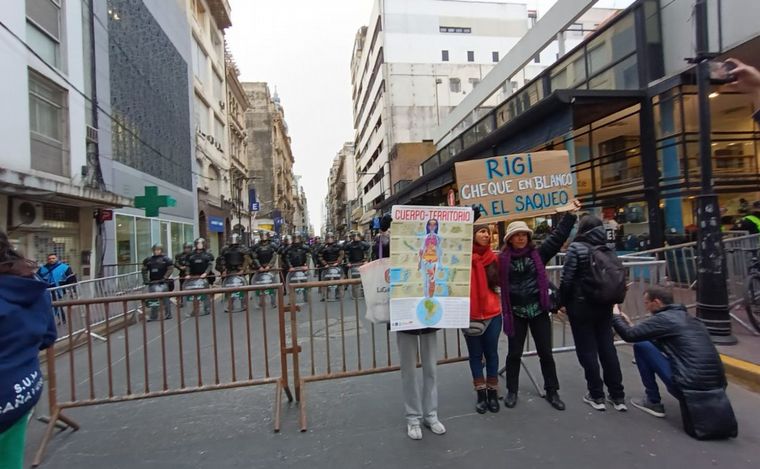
{"x":721,"y":72}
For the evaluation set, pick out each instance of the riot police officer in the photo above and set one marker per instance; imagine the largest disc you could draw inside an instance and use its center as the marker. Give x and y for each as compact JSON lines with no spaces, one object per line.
{"x":157,"y":269}
{"x":356,"y":250}
{"x":297,"y":255}
{"x":264,"y":254}
{"x":234,"y":258}
{"x":315,"y":248}
{"x":200,"y":264}
{"x":282,"y":250}
{"x":180,"y":262}
{"x":331,"y":254}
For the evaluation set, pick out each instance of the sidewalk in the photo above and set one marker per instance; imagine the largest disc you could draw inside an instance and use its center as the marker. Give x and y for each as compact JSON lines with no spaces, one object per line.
{"x":359,"y":423}
{"x":742,"y":361}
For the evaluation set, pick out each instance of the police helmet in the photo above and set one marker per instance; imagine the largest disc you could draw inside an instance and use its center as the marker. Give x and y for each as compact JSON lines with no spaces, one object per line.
{"x":187,"y":246}
{"x":157,"y":247}
{"x":235,"y":238}
{"x":200,"y":243}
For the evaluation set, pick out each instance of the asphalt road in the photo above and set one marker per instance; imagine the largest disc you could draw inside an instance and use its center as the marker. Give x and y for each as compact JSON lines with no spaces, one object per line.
{"x":354,"y":422}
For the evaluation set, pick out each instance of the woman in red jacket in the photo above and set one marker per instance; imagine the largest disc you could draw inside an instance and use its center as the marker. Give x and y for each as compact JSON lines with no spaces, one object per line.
{"x":485,"y":320}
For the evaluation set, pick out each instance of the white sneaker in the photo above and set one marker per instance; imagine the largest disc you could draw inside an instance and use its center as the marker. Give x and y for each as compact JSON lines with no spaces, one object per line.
{"x":436,"y":427}
{"x":414,"y":431}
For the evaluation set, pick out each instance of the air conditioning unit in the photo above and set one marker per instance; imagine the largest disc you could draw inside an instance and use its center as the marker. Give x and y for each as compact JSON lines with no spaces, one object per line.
{"x":26,"y":214}
{"x":92,"y":134}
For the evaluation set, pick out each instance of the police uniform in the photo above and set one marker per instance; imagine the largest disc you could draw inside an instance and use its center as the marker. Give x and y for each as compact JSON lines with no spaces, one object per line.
{"x":233,"y":259}
{"x":155,"y":270}
{"x":264,"y":255}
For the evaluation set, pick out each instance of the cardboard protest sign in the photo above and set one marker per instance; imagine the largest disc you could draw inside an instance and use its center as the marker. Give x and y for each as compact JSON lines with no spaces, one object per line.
{"x":516,"y":186}
{"x":431,"y":250}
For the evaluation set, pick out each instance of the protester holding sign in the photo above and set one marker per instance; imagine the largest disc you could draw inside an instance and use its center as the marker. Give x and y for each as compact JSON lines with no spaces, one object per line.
{"x":482,"y":336}
{"x":525,"y":300}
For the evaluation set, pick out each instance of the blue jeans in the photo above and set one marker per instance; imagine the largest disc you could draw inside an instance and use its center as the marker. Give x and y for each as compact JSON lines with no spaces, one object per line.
{"x":652,"y":364}
{"x":486,"y":344}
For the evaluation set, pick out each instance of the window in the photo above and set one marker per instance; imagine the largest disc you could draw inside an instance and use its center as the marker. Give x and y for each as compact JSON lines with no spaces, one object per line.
{"x":444,"y":56}
{"x":537,"y":58}
{"x":474,"y":82}
{"x":218,"y":96}
{"x":454,"y":29}
{"x":495,"y":56}
{"x":218,"y":130}
{"x":217,"y":44}
{"x":471,"y":56}
{"x":200,"y":62}
{"x":201,"y":116}
{"x":455,"y":85}
{"x":43,"y":29}
{"x":48,"y":125}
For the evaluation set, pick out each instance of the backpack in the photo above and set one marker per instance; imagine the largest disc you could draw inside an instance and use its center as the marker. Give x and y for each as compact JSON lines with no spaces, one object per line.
{"x":605,"y":283}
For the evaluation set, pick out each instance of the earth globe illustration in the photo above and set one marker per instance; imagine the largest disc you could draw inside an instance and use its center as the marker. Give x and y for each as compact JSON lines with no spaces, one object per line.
{"x":429,"y":312}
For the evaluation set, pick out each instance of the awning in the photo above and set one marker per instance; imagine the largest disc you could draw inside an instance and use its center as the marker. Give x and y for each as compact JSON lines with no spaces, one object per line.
{"x":39,"y":188}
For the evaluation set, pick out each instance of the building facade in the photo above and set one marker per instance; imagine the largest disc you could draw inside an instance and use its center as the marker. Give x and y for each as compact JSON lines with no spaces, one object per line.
{"x":240,"y":182}
{"x":270,"y":159}
{"x":623,"y":104}
{"x":342,"y":191}
{"x":208,"y":19}
{"x":401,"y":94}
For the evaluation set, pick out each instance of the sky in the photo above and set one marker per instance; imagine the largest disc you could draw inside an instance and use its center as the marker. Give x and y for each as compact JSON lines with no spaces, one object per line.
{"x":302,"y":48}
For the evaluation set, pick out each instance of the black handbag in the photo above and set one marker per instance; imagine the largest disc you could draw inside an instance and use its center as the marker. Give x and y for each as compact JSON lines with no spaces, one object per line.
{"x":708,"y":415}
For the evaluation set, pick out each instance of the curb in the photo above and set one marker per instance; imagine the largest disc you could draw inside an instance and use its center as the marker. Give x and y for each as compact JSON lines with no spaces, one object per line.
{"x":746,"y":373}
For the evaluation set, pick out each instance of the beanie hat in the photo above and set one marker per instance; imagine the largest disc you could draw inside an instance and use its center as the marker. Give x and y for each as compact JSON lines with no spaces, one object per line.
{"x":480,"y":226}
{"x":517,"y":227}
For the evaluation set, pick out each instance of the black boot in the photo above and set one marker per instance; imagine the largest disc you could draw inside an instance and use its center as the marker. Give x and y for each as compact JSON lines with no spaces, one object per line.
{"x":555,"y":401}
{"x":511,"y":399}
{"x":493,"y":400}
{"x":482,"y":405}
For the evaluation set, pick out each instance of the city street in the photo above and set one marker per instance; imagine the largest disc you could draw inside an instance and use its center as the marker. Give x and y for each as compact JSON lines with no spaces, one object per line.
{"x":356,"y":422}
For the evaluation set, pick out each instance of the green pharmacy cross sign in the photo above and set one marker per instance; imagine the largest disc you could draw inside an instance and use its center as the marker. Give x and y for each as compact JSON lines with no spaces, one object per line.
{"x":151,"y":201}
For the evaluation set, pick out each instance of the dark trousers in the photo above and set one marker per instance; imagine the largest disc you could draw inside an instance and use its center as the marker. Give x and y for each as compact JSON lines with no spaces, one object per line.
{"x":541,"y":331}
{"x":595,"y":344}
{"x":653,"y":364}
{"x":485,"y":346}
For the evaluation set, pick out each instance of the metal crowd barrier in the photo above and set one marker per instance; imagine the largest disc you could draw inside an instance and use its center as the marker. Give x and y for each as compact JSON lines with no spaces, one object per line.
{"x":188,"y":353}
{"x":333,"y":340}
{"x":72,"y":321}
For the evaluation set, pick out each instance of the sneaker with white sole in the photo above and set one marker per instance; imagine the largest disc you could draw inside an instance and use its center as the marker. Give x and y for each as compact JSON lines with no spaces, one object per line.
{"x":436,"y":427}
{"x":597,"y":404}
{"x":651,"y":408}
{"x":618,"y":403}
{"x":414,"y":431}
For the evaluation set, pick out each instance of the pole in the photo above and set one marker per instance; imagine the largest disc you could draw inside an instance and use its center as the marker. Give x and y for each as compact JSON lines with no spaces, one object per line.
{"x":712,"y":293}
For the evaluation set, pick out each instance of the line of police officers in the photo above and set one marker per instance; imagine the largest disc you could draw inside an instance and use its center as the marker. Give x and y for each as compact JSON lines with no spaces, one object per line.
{"x":195,"y":261}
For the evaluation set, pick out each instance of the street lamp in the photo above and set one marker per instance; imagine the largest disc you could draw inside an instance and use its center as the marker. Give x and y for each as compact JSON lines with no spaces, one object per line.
{"x":712,"y":293}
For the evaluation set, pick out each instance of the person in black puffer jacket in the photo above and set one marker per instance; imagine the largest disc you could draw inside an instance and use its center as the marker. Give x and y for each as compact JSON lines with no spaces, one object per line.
{"x":525,"y":301}
{"x":591,"y":323}
{"x":676,"y":347}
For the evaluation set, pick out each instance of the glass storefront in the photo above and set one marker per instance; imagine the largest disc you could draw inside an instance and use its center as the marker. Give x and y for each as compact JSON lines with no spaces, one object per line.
{"x":135,"y":237}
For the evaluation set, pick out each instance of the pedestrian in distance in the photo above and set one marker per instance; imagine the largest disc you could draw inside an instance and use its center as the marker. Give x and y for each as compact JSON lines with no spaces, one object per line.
{"x":482,"y":337}
{"x":593,"y":281}
{"x":26,"y":327}
{"x":57,"y":274}
{"x":525,"y":300}
{"x":676,"y":347}
{"x":381,"y":246}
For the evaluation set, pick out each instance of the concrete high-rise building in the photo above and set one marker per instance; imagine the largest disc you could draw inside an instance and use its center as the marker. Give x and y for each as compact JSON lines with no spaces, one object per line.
{"x":401,"y":94}
{"x":97,"y":130}
{"x":208,"y":19}
{"x":270,"y":159}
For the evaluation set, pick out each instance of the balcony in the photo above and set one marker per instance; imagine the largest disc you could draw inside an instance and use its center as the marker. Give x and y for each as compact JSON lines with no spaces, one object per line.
{"x":220,"y":11}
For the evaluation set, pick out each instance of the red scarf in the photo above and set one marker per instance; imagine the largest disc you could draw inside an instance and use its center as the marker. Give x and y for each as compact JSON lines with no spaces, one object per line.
{"x":482,"y":256}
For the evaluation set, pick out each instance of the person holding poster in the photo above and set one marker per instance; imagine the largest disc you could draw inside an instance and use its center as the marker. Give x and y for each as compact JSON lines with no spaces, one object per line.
{"x":525,"y":300}
{"x":482,"y":336}
{"x":430,"y":250}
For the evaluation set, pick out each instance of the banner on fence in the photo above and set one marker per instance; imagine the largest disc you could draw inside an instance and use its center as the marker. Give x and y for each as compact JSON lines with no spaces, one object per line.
{"x":516,"y":186}
{"x":431,"y":249}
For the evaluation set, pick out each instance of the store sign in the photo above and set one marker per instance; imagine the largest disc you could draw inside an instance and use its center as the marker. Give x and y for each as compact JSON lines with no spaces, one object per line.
{"x":253,"y":204}
{"x":102,"y":214}
{"x":216,"y":224}
{"x":151,"y":201}
{"x":516,"y":186}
